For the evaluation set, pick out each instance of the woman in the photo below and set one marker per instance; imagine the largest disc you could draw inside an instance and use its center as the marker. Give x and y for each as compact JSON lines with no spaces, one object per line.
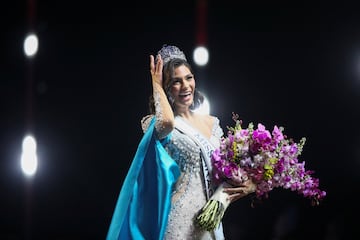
{"x":181,"y":176}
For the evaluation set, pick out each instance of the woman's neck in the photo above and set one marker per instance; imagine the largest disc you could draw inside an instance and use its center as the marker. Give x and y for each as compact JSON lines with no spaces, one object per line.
{"x":185,"y":114}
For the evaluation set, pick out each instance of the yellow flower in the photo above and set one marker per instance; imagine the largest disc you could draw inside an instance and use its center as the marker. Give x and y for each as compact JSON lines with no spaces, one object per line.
{"x":273,"y":160}
{"x":269,"y":168}
{"x":234,"y":148}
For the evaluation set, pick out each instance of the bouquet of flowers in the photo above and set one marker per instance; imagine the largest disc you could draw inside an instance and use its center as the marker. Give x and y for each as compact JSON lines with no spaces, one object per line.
{"x":270,"y":160}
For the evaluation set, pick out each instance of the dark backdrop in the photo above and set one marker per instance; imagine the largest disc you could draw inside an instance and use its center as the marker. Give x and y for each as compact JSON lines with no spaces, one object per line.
{"x":294,"y":64}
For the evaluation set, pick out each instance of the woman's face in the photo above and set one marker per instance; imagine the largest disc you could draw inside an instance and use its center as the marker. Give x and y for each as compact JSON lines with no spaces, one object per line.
{"x":183,"y":87}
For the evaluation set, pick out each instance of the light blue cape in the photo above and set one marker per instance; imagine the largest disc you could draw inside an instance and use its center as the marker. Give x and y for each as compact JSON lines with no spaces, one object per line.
{"x":144,"y":202}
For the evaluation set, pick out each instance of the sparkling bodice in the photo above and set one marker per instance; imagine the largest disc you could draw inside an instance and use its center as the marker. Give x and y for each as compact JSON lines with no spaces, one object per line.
{"x":189,"y":194}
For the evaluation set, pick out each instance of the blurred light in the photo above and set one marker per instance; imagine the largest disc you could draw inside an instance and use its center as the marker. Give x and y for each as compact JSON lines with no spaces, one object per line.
{"x":201,"y":55}
{"x":28,"y":156}
{"x":204,"y":108}
{"x":31,"y":44}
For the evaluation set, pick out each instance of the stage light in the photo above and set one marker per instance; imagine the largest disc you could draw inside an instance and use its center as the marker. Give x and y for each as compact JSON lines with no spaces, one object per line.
{"x":201,"y":56}
{"x":204,"y":108}
{"x":31,"y":45}
{"x":28,"y":156}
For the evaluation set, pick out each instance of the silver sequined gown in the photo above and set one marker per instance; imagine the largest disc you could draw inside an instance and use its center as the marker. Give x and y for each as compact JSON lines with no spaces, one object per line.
{"x":189,"y":195}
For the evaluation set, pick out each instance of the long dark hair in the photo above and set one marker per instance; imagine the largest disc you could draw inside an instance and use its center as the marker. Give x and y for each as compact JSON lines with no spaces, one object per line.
{"x":168,"y":75}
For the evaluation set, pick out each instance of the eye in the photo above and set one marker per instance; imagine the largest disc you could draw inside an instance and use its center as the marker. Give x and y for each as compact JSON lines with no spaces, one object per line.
{"x":176,"y":81}
{"x":189,"y":77}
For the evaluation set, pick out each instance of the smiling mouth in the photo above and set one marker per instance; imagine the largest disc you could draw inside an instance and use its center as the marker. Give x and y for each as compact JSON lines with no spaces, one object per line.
{"x":185,"y":97}
{"x":185,"y":94}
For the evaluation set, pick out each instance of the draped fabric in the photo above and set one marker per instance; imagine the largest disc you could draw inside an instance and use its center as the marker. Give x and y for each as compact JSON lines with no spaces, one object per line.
{"x":144,"y":202}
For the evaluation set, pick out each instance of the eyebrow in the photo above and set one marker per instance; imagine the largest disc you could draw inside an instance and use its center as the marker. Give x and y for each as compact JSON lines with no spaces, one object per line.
{"x":186,"y":76}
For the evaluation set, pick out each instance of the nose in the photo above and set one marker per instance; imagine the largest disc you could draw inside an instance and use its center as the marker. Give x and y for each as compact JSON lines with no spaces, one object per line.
{"x":185,"y":84}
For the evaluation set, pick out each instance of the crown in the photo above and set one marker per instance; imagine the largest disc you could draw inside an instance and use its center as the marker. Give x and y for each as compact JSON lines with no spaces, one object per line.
{"x":168,"y":52}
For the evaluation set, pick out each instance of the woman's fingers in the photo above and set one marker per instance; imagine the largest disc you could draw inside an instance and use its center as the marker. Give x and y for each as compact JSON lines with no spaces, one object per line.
{"x":156,"y":64}
{"x":234,"y":190}
{"x":235,"y":193}
{"x":240,"y":191}
{"x":235,"y":196}
{"x":159,"y":64}
{"x":236,"y":183}
{"x":156,"y":67}
{"x":152,"y":65}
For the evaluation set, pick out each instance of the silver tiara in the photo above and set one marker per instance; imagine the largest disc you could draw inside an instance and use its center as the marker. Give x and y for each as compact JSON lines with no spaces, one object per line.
{"x":168,"y":52}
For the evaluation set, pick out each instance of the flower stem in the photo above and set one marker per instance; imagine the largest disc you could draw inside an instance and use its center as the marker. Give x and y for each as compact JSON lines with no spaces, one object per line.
{"x":210,"y":215}
{"x":213,"y":211}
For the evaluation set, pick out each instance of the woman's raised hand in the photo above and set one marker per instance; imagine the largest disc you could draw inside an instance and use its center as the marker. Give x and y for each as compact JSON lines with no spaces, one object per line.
{"x":156,"y":67}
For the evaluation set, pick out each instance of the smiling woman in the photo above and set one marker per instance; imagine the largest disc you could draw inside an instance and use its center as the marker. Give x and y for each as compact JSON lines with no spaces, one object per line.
{"x":170,"y":177}
{"x":286,"y":62}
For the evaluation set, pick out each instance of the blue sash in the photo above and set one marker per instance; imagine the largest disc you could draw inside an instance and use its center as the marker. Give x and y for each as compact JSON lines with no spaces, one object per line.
{"x":143,"y":205}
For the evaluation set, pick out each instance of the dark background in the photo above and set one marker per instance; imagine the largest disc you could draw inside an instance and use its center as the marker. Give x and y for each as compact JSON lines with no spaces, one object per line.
{"x":294,"y":64}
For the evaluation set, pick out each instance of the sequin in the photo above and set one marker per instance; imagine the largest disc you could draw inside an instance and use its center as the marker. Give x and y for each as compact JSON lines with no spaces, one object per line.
{"x":189,"y":194}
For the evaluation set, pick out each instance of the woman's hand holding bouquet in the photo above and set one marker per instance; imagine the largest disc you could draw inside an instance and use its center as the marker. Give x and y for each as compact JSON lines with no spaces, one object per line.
{"x":251,"y":160}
